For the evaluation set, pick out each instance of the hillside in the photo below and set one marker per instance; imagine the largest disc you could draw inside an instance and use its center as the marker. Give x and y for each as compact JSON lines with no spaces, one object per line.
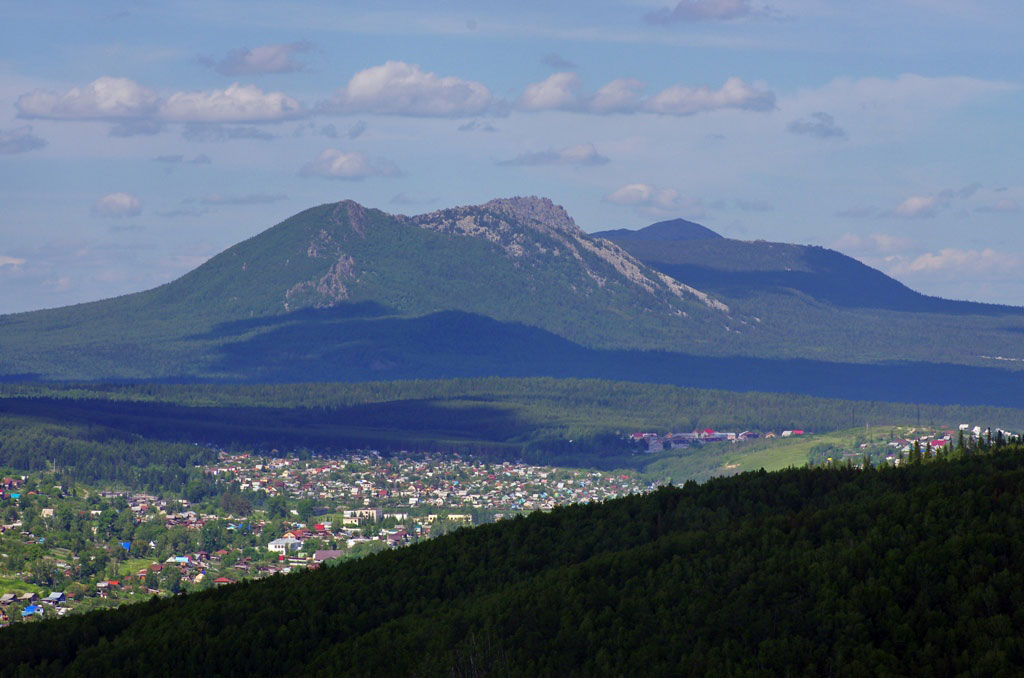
{"x":740,"y":269}
{"x":803,"y":572}
{"x":514,"y":288}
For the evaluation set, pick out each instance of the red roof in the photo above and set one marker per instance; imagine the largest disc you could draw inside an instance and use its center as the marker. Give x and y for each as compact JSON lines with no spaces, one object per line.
{"x":222,"y":580}
{"x":709,"y":430}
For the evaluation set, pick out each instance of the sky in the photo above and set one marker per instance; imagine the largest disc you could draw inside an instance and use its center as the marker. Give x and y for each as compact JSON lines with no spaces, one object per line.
{"x":140,"y":138}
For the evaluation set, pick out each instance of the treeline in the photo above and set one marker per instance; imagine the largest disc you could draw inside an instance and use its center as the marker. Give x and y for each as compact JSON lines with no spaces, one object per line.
{"x":97,"y":454}
{"x":911,"y":571}
{"x":531,"y":408}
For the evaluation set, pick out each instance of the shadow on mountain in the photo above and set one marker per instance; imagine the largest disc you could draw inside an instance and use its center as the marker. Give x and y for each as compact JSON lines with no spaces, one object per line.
{"x":328,"y":346}
{"x":361,"y":309}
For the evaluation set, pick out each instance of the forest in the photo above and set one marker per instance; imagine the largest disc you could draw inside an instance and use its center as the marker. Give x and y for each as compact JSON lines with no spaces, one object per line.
{"x":843,"y":571}
{"x":115,"y":432}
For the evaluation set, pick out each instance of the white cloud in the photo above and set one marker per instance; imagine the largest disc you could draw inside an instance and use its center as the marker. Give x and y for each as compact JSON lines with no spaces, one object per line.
{"x":401,"y":88}
{"x":10,"y":261}
{"x":19,"y":140}
{"x":702,"y":10}
{"x":124,"y":100}
{"x":680,"y":100}
{"x":951,"y":260}
{"x":558,"y":91}
{"x":335,"y":164}
{"x":265,"y":59}
{"x":618,"y":96}
{"x":105,"y":98}
{"x":583,"y":154}
{"x":561,"y":92}
{"x":644,"y":195}
{"x":237,"y":103}
{"x":919,"y":206}
{"x":116,"y":205}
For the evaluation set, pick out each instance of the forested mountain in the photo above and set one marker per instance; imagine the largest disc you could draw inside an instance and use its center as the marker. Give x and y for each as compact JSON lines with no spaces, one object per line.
{"x":514,"y":288}
{"x":740,"y":269}
{"x":911,"y":571}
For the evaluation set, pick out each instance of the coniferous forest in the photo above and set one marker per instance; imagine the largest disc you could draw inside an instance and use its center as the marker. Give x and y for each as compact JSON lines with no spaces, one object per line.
{"x":848,"y":571}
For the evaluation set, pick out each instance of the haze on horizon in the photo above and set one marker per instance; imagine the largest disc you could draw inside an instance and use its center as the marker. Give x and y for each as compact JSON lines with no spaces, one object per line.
{"x":137,"y":139}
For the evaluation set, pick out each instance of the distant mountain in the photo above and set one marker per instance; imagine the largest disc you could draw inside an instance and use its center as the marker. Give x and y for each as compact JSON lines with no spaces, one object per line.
{"x":514,"y":287}
{"x":673,"y":230}
{"x":738,"y":269}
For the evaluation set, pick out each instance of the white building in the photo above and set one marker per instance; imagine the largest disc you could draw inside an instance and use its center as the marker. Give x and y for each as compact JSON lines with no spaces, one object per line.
{"x":284,"y":545}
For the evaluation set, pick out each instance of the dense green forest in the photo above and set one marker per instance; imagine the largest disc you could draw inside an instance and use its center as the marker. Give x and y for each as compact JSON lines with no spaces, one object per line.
{"x":578,"y":423}
{"x":917,"y":570}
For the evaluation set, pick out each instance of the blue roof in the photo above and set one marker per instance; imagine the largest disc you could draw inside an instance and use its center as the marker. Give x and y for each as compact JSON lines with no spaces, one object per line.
{"x":28,"y":611}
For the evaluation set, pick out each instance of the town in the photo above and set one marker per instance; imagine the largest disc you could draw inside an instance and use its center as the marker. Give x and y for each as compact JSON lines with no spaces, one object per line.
{"x":73,"y":548}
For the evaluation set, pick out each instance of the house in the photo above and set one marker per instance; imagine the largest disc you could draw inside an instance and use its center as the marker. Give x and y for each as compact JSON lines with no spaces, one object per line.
{"x":8,"y":598}
{"x":326,"y":554}
{"x":284,"y":545}
{"x":221,"y":581}
{"x":31,"y":610}
{"x":28,"y":597}
{"x":55,"y":598}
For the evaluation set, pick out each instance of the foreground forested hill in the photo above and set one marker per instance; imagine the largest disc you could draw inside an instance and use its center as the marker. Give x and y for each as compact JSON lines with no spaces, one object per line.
{"x":910,"y":571}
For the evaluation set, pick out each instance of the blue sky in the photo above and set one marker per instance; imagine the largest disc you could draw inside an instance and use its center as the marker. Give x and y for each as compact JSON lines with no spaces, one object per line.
{"x":138,"y":139}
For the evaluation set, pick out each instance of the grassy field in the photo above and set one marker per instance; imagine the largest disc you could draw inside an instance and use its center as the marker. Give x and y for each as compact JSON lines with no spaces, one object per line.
{"x":132,"y":566}
{"x":772,"y":454}
{"x":11,"y":585}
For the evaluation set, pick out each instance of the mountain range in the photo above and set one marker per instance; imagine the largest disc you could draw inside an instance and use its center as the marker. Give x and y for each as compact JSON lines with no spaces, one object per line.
{"x":514,"y":287}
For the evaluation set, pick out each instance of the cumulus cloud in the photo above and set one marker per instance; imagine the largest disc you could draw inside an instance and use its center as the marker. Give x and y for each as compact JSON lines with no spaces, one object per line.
{"x":702,"y":10}
{"x":204,"y":132}
{"x":558,"y":91}
{"x":19,"y":140}
{"x":557,"y":61}
{"x":819,"y":125}
{"x":14,"y":262}
{"x":618,"y":96}
{"x":336,"y":164}
{"x":260,"y":60}
{"x":680,"y":100}
{"x":117,"y":205}
{"x":949,"y":259}
{"x":919,"y":206}
{"x":236,"y":103}
{"x":400,"y":88}
{"x":561,"y":92}
{"x":121,"y":99}
{"x":644,"y":195}
{"x":105,"y":98}
{"x":250,"y":199}
{"x":583,"y":154}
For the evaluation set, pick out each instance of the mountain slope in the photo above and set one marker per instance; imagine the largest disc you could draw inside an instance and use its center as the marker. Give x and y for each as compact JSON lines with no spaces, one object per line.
{"x":737,"y":269}
{"x":518,"y":260}
{"x":513,"y":287}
